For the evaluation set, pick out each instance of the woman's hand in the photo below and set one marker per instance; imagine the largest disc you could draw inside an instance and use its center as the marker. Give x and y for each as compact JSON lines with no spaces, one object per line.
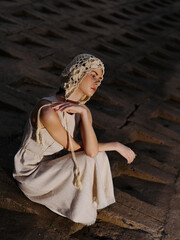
{"x":125,"y":151}
{"x":68,"y":107}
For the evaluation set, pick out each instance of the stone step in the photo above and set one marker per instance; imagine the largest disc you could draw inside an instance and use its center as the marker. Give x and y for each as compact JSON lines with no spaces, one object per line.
{"x":108,"y":231}
{"x":106,"y":121}
{"x":16,"y":98}
{"x":134,"y":132}
{"x":17,"y":225}
{"x":143,"y":167}
{"x":129,"y":212}
{"x":159,"y":118}
{"x":172,"y":228}
{"x":126,"y":98}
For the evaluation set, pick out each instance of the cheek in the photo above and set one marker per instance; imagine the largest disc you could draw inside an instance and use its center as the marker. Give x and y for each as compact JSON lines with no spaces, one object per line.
{"x":85,"y":83}
{"x":82,"y":85}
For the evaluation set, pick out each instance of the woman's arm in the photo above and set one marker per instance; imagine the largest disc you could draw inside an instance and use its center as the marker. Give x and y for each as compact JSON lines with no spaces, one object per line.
{"x":89,"y":139}
{"x":50,"y":120}
{"x":90,"y":143}
{"x":125,"y":151}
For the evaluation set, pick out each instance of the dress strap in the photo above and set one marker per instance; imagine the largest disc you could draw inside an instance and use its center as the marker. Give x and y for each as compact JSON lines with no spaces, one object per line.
{"x":38,"y":131}
{"x":39,"y":138}
{"x":77,"y":182}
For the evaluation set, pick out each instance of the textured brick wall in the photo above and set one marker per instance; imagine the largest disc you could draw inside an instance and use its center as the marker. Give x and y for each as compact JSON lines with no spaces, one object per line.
{"x":137,"y":104}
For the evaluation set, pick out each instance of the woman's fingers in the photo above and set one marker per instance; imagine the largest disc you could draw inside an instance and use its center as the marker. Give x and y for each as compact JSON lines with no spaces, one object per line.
{"x":65,"y":108}
{"x":130,"y":160}
{"x":68,"y":107}
{"x":131,"y":156}
{"x":126,"y":152}
{"x":58,"y":103}
{"x":60,"y":106}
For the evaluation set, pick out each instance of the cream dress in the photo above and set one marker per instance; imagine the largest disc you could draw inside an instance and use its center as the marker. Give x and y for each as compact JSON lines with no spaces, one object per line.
{"x":44,"y":173}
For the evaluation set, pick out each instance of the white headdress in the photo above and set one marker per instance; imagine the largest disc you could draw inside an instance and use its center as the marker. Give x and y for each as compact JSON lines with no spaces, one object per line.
{"x":74,"y":72}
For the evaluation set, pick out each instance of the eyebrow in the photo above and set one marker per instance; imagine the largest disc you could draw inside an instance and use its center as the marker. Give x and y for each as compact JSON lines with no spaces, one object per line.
{"x":97,"y":74}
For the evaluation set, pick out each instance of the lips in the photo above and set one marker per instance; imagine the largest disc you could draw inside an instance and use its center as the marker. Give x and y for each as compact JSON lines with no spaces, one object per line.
{"x":93,"y":89}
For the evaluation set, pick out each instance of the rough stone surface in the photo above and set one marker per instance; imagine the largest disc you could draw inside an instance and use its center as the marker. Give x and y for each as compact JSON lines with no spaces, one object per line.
{"x":172,"y":225}
{"x":137,"y":104}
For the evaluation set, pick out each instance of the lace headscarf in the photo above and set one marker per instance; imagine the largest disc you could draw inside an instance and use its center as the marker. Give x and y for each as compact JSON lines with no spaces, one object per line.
{"x":76,"y":70}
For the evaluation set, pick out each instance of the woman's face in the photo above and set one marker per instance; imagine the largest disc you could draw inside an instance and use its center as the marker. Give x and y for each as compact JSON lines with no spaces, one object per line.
{"x":91,"y":82}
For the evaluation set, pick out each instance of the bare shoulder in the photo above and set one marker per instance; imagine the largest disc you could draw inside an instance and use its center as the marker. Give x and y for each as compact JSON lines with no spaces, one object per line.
{"x":46,"y":111}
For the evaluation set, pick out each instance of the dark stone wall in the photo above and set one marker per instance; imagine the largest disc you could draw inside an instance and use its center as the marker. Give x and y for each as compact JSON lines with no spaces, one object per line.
{"x":137,"y":104}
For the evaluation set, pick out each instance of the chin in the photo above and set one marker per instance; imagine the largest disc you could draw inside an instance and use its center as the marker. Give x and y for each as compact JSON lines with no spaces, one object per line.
{"x":90,"y":94}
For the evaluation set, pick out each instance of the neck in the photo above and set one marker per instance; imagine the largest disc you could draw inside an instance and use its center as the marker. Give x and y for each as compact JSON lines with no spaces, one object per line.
{"x":74,"y":97}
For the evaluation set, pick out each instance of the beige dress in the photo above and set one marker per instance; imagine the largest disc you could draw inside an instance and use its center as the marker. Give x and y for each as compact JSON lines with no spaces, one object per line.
{"x":44,"y":173}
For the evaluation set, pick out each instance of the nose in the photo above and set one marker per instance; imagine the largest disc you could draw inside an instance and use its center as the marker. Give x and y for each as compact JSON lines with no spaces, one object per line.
{"x":98,"y":82}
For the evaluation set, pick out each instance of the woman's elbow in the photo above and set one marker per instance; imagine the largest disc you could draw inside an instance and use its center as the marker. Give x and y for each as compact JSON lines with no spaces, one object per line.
{"x":91,"y":151}
{"x":92,"y":154}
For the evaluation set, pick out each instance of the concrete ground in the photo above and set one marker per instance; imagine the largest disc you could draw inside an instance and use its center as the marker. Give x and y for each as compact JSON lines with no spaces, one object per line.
{"x":137,"y":104}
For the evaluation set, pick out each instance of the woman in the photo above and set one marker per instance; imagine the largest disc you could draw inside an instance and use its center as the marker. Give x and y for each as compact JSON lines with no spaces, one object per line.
{"x":71,"y":185}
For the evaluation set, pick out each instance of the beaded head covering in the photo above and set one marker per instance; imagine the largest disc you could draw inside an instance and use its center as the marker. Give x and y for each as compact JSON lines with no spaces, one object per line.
{"x":76,"y":70}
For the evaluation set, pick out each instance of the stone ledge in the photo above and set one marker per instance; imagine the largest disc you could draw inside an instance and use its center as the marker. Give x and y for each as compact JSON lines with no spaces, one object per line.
{"x":127,"y":217}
